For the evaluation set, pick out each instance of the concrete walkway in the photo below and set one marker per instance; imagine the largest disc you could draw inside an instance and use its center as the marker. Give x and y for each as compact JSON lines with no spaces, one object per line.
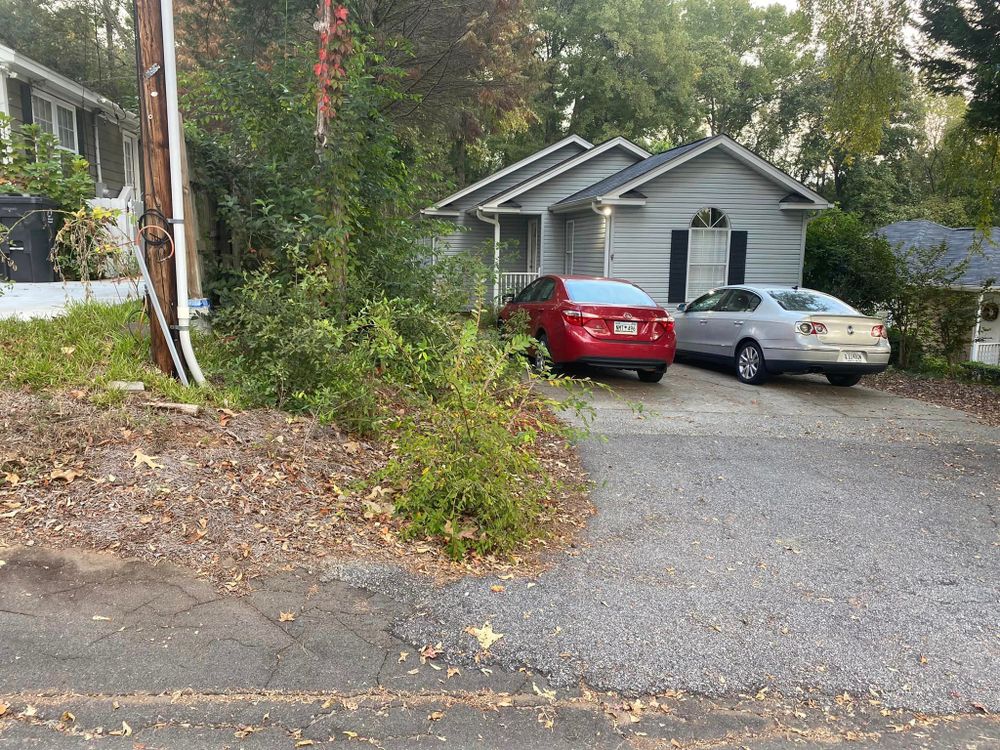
{"x":100,"y":653}
{"x":28,"y":301}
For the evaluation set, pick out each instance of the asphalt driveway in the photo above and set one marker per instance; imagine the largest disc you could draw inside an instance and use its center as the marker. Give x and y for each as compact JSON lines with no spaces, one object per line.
{"x":795,"y":537}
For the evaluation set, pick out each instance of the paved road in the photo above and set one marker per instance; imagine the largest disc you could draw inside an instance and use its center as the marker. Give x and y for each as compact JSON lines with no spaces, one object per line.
{"x":794,"y":536}
{"x":98,"y":653}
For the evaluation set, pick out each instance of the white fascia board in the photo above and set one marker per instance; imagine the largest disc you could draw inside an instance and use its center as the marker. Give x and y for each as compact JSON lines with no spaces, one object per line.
{"x":562,"y":208}
{"x":541,"y":179}
{"x":804,"y":206}
{"x":62,"y":87}
{"x":621,"y":201}
{"x":439,"y":212}
{"x":743,"y":154}
{"x":570,"y":139}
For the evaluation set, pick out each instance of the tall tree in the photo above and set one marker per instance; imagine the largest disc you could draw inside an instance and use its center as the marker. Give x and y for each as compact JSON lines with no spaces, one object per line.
{"x":962,"y":55}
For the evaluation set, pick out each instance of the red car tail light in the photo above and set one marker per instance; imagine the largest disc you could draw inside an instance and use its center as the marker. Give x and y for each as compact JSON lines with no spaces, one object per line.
{"x":662,"y":326}
{"x":879,"y":332}
{"x":809,"y":327}
{"x":573,"y":317}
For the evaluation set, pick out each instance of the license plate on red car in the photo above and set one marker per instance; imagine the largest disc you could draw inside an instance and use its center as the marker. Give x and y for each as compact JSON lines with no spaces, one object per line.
{"x":626,"y":327}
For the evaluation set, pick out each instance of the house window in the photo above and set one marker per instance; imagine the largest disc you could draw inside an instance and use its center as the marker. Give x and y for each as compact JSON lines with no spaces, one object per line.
{"x":56,"y":119}
{"x":708,"y":252}
{"x":41,"y":113}
{"x":131,"y":161}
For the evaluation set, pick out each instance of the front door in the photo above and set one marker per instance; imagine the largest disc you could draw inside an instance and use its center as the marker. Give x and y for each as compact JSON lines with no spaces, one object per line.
{"x":534,"y":256}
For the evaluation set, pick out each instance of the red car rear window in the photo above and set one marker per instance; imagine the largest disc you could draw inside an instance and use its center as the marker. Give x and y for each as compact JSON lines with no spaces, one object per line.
{"x":601,"y":292}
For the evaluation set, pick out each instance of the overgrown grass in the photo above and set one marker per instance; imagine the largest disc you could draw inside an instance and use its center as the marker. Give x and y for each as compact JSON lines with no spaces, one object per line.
{"x":87,"y":348}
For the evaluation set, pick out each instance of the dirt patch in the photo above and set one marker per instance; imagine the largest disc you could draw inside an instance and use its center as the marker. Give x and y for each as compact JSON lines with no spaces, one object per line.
{"x":231,"y":496}
{"x":980,"y":400}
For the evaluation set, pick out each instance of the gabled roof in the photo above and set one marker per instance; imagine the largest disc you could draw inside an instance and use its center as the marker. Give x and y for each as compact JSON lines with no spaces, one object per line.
{"x":14,"y":64}
{"x":568,"y":140}
{"x":608,"y":184}
{"x":630,"y":178}
{"x":983,"y":264}
{"x":563,"y":166}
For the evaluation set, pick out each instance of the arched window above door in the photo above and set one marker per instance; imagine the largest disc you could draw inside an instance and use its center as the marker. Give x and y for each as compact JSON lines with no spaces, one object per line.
{"x":708,"y":252}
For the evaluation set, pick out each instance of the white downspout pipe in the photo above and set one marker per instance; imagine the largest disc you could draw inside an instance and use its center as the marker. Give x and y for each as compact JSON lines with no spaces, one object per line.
{"x":495,"y":221}
{"x":97,"y":150}
{"x":177,"y":191}
{"x":606,"y":213}
{"x":977,"y":332}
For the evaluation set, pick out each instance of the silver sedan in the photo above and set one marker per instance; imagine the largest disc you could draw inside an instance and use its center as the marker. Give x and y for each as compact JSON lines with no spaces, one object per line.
{"x":765,"y":330}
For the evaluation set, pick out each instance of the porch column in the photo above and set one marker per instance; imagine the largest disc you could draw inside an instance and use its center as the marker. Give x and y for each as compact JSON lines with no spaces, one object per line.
{"x":977,"y":332}
{"x":495,"y":221}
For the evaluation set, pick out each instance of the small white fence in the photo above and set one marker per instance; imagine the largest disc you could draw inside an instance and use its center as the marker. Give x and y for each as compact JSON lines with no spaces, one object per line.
{"x":129,"y":210}
{"x":987,"y":353}
{"x":512,"y":283}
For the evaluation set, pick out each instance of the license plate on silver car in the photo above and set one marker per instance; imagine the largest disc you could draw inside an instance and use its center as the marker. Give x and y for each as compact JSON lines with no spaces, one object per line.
{"x":626,"y":327}
{"x":852,"y":356}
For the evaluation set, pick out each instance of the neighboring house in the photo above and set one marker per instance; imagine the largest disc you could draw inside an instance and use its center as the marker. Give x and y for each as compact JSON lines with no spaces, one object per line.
{"x":983,"y":267}
{"x":84,"y":121}
{"x":677,"y":223}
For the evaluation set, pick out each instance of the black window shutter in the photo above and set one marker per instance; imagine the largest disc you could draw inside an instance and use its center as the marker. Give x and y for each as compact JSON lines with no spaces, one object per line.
{"x":81,"y":133}
{"x":26,"y":115}
{"x":678,"y":265}
{"x":737,"y":258}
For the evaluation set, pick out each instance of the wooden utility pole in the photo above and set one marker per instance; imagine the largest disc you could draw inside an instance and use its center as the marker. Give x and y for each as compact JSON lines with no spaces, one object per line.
{"x":155,"y":152}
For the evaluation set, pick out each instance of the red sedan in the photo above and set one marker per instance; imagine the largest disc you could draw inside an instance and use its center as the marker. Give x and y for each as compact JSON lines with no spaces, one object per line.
{"x":597,"y":321}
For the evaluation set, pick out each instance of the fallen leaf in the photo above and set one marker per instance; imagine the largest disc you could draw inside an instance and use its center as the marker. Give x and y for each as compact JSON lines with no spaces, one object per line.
{"x":3,"y":708}
{"x":547,"y":694}
{"x":67,"y":475}
{"x":304,"y":743}
{"x":68,"y":350}
{"x":453,"y":671}
{"x":286,"y":617}
{"x":485,"y":635}
{"x":29,"y":711}
{"x":351,"y":735}
{"x":126,"y":729}
{"x":11,"y":478}
{"x":145,"y":519}
{"x":141,"y":458}
{"x":402,"y":656}
{"x":436,"y":715}
{"x":101,"y":617}
{"x":67,"y":717}
{"x":496,"y":589}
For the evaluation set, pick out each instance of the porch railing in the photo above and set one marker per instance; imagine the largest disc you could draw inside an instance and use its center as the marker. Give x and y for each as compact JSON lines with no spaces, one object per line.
{"x":512,"y":283}
{"x":988,"y":353}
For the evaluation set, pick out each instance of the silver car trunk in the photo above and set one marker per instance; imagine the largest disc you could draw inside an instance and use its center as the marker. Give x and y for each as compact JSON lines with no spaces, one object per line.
{"x":846,"y":330}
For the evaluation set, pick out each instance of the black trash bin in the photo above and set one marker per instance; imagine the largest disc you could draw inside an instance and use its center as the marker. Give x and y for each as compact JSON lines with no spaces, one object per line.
{"x":25,"y":254}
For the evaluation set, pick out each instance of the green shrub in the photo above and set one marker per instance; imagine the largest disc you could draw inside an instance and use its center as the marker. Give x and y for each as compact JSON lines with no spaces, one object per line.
{"x":456,"y":400}
{"x":980,"y":372}
{"x":936,"y":366}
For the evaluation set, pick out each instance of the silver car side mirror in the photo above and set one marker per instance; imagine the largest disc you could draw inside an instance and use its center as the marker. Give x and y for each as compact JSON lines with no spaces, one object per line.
{"x":681,"y":307}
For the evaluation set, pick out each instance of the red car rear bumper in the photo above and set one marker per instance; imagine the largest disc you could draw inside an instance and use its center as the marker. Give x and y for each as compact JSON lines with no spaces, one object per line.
{"x":574,"y":344}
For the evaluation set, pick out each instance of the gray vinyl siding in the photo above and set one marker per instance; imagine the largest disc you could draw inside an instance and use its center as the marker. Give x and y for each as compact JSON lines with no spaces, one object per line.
{"x":641,"y":235}
{"x":471,"y":233}
{"x":517,"y":176}
{"x":537,"y":200}
{"x":588,"y":243}
{"x":112,"y":155}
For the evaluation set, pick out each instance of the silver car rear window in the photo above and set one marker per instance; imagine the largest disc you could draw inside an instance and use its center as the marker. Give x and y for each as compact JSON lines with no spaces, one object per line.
{"x":595,"y":292}
{"x":802,"y":301}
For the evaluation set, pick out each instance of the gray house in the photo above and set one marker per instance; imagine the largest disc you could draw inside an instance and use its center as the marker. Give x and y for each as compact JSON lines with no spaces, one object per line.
{"x":983,"y":269}
{"x":83,"y":120}
{"x":677,"y":223}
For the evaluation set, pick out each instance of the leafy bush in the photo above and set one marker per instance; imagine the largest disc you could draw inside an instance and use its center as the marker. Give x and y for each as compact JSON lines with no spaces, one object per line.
{"x":936,"y":366}
{"x":981,"y":372}
{"x":456,"y":400}
{"x":31,"y":163}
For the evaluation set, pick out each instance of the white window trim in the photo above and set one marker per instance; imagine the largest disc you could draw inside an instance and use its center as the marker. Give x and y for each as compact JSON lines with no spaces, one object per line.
{"x":56,"y":105}
{"x":569,"y":245}
{"x":729,"y":249}
{"x":4,"y":99}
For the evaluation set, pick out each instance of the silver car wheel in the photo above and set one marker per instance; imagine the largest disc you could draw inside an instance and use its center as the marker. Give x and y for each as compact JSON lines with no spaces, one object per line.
{"x":749,"y":363}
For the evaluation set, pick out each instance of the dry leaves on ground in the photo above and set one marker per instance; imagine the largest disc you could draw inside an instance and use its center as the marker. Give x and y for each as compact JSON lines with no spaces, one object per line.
{"x":980,"y":400}
{"x":229,"y":495}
